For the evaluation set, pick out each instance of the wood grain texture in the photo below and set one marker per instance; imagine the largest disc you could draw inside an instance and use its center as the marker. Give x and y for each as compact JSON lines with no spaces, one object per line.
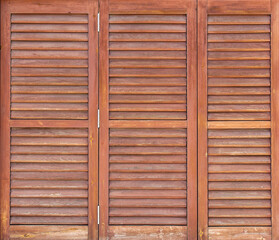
{"x":227,"y":177}
{"x":48,"y":232}
{"x":31,"y":78}
{"x":147,"y":87}
{"x":147,"y":232}
{"x":202,"y":121}
{"x":93,"y":158}
{"x":27,"y":182}
{"x":142,"y":52}
{"x":192,"y":129}
{"x":124,"y":6}
{"x":50,"y":52}
{"x":104,"y":119}
{"x":148,"y":143}
{"x":238,"y":7}
{"x":5,"y":116}
{"x":274,"y":118}
{"x":228,"y":95}
{"x":237,"y":83}
{"x":239,"y":233}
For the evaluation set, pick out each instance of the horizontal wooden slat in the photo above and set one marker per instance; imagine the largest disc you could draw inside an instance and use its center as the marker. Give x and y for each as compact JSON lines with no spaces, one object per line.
{"x":49,"y":173}
{"x":148,"y":221}
{"x":239,"y":125}
{"x":147,"y":124}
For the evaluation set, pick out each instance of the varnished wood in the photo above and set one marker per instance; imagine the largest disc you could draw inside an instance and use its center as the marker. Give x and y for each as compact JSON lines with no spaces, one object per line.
{"x":234,"y":35}
{"x":27,"y":72}
{"x":93,"y":160}
{"x":239,"y":7}
{"x":239,"y":233}
{"x":150,"y":232}
{"x":274,"y":118}
{"x":104,"y":120}
{"x":192,"y":91}
{"x":48,"y":232}
{"x":202,"y":121}
{"x":5,"y":117}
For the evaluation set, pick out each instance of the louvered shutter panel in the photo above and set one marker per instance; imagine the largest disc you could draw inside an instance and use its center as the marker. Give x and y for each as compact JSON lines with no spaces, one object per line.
{"x":51,"y":131}
{"x":235,"y":137}
{"x":144,"y":136}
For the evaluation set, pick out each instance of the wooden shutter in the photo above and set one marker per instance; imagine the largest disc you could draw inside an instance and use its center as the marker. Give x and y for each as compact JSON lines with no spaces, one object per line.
{"x":148,"y":120}
{"x":236,"y":141}
{"x":49,"y":120}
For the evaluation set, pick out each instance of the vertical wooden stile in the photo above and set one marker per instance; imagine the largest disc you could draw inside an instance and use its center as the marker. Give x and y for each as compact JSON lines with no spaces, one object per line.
{"x":104,"y":120}
{"x":5,"y":129}
{"x":192,"y":128}
{"x":202,"y":120}
{"x":275,"y":117}
{"x":93,"y":169}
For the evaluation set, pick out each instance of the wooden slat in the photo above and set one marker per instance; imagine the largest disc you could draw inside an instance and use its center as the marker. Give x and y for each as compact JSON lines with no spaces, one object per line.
{"x":43,"y":180}
{"x":41,"y":46}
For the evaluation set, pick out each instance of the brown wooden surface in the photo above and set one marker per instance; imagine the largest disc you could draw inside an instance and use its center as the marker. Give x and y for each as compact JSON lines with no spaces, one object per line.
{"x":239,"y":233}
{"x":202,"y":121}
{"x":147,"y":232}
{"x":274,"y":118}
{"x":192,"y":137}
{"x":93,"y":178}
{"x":235,"y":154}
{"x":53,"y":79}
{"x":48,"y":232}
{"x":154,"y":116}
{"x":143,"y":115}
{"x":5,"y":117}
{"x":104,"y":119}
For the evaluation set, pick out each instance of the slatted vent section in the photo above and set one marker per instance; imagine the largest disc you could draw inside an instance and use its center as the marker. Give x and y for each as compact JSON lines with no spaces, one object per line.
{"x":147,"y":177}
{"x":49,"y":66}
{"x":147,"y":61}
{"x":49,"y":176}
{"x":239,"y":67}
{"x":239,"y":177}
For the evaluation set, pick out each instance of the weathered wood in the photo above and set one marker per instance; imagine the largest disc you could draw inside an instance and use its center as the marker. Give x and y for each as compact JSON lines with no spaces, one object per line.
{"x":147,"y":232}
{"x":202,"y":121}
{"x":104,"y":119}
{"x":5,"y":117}
{"x":48,"y":232}
{"x":274,"y":118}
{"x":239,"y":233}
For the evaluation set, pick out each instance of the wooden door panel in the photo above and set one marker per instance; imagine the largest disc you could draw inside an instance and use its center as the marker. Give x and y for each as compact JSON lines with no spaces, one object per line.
{"x":147,"y":109}
{"x":236,"y":137}
{"x":49,"y":80}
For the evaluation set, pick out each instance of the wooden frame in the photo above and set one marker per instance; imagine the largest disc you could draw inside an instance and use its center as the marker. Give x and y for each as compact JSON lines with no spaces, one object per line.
{"x":197,"y":124}
{"x":139,"y":7}
{"x":219,"y":7}
{"x":54,"y":7}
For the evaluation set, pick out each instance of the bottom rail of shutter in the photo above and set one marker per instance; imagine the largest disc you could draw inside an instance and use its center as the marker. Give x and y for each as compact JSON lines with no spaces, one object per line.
{"x":39,"y":232}
{"x":239,"y":233}
{"x":147,"y":232}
